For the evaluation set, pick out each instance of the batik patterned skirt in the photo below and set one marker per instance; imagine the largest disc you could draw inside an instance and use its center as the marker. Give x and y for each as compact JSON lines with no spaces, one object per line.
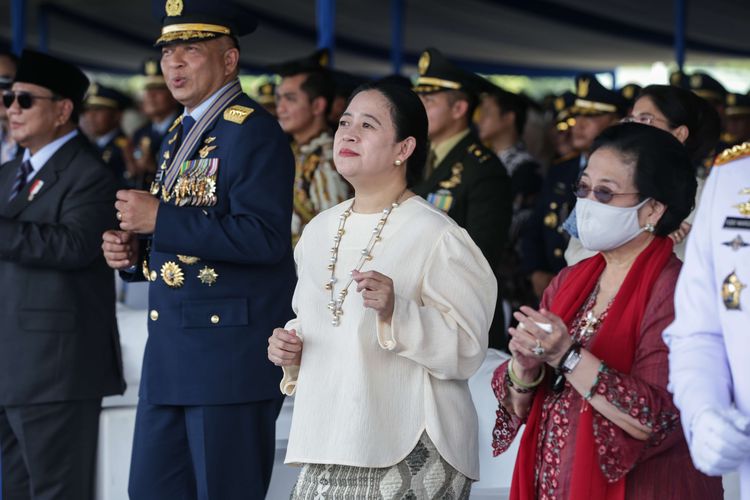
{"x":422,"y":475}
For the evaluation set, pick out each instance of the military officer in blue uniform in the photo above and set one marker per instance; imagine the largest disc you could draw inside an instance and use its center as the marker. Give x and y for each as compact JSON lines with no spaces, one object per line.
{"x":463,"y":178}
{"x":161,"y":110}
{"x":708,"y":341}
{"x":212,"y":238}
{"x":545,"y":236}
{"x":102,"y":115}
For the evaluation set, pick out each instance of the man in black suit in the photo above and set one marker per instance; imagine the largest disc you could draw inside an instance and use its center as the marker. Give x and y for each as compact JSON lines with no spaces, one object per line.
{"x":463,"y":178}
{"x":59,"y":346}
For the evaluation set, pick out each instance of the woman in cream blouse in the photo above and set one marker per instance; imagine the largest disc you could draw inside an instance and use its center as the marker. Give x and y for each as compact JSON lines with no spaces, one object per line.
{"x":393,"y":304}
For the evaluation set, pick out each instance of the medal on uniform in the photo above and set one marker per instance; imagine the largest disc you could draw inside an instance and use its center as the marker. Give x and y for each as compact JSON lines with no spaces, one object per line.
{"x":736,"y":243}
{"x":731,"y":289}
{"x":208,"y":276}
{"x":743,"y":208}
{"x":442,"y":199}
{"x":172,"y":274}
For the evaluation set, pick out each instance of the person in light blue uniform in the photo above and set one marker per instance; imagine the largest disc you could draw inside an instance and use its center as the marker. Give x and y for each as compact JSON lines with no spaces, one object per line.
{"x":212,"y":238}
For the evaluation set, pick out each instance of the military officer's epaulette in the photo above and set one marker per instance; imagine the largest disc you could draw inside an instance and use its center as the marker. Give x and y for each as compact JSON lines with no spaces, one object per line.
{"x":176,"y":122}
{"x":478,"y":152}
{"x":237,"y":114}
{"x":733,"y":153}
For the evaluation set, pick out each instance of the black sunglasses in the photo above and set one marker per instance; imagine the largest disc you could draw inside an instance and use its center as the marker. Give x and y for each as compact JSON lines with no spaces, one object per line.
{"x":25,"y":100}
{"x":601,"y":193}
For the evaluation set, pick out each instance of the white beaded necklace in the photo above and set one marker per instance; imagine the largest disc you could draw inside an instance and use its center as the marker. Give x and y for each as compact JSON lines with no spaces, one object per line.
{"x":335,"y":305}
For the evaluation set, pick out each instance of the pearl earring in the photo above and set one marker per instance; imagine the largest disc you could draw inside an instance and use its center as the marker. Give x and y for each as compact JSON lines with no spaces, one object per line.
{"x":649,"y":227}
{"x":398,"y":163}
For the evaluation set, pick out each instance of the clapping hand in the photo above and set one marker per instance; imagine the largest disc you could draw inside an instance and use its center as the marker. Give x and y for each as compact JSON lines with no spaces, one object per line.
{"x":532,"y":342}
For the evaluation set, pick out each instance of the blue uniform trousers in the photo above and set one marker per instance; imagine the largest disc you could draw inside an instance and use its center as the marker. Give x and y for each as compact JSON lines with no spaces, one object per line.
{"x":217,"y":452}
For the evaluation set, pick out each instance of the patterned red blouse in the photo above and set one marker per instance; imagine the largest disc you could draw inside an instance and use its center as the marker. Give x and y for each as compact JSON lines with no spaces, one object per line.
{"x":658,"y":468}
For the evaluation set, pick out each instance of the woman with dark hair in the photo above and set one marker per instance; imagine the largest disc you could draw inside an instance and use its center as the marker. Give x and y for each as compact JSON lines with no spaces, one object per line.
{"x":691,"y":120}
{"x":688,"y":117}
{"x":393,"y":306}
{"x":588,"y":375}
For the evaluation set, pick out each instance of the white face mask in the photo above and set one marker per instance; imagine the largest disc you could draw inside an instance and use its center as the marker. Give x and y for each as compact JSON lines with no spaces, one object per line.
{"x":603,"y":227}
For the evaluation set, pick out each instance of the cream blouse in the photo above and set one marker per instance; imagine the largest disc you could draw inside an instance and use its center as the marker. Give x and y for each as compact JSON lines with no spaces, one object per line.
{"x":365,"y":390}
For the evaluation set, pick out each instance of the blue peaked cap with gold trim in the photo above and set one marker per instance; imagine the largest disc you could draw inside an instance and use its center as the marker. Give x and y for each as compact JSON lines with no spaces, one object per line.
{"x":200,"y":20}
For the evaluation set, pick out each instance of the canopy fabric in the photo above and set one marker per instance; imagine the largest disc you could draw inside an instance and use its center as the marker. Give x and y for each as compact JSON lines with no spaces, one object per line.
{"x":534,"y":37}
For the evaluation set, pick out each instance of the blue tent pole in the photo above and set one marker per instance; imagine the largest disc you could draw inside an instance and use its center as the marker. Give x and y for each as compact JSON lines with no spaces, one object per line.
{"x":397,"y":35}
{"x":679,"y":33}
{"x":43,"y":27}
{"x":325,"y":11}
{"x":18,"y":24}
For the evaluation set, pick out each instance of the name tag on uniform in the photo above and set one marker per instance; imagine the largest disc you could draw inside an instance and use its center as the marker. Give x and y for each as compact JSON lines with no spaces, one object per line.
{"x":736,"y":223}
{"x":442,"y":199}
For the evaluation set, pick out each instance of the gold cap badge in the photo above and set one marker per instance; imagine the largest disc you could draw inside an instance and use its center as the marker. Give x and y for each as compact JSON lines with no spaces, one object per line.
{"x":583,"y":87}
{"x":151,"y":68}
{"x":424,"y":62}
{"x":173,"y":7}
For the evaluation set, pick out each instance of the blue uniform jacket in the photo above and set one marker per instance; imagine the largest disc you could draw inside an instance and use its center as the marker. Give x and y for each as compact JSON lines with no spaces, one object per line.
{"x":208,"y":337}
{"x":543,"y":240}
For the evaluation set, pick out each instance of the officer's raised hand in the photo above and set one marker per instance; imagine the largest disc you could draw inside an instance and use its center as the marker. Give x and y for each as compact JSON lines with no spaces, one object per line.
{"x":120,"y":249}
{"x":136,"y":211}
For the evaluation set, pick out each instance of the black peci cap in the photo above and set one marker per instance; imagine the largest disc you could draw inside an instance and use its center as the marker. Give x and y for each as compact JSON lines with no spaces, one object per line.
{"x":60,"y":77}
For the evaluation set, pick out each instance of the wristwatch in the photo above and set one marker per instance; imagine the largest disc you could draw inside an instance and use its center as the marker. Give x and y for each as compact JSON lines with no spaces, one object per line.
{"x":570,"y":359}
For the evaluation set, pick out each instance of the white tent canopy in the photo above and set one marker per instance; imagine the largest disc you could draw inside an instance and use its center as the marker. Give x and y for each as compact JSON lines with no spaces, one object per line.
{"x":535,"y":37}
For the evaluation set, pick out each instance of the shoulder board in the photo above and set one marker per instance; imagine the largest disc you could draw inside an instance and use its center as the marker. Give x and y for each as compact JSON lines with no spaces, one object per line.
{"x":237,"y":114}
{"x":176,"y":122}
{"x":733,"y":153}
{"x":478,"y":152}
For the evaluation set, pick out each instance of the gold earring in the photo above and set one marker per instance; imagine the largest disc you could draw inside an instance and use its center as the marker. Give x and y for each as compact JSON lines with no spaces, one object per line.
{"x":398,"y":163}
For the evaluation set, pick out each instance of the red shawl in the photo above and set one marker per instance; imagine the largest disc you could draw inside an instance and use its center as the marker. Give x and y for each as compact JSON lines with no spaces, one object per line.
{"x":615,"y":344}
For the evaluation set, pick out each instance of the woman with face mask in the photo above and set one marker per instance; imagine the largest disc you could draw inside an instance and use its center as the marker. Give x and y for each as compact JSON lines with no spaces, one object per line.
{"x":588,"y":375}
{"x":393,"y":306}
{"x":691,"y":120}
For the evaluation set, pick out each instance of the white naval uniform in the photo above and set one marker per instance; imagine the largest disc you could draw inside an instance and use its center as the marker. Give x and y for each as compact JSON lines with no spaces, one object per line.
{"x":709,"y":342}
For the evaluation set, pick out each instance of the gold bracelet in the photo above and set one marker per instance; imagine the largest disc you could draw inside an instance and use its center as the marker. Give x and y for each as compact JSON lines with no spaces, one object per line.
{"x":520,"y":383}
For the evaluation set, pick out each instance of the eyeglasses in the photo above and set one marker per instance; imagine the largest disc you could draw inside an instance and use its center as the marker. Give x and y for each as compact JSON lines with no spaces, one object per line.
{"x":601,"y":193}
{"x":25,"y":99}
{"x":644,"y":118}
